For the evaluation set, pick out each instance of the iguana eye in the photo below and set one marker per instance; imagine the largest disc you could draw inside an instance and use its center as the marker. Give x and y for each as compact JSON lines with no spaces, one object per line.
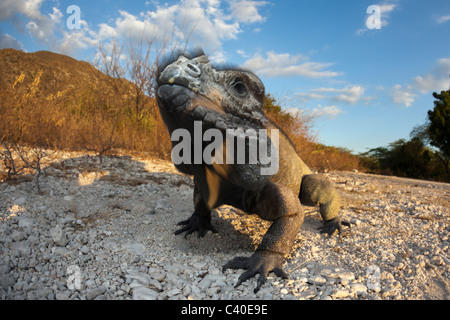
{"x":239,"y":88}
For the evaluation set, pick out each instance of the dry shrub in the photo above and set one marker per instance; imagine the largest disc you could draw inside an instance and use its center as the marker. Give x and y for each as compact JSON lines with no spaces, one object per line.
{"x":331,"y":158}
{"x":50,"y":100}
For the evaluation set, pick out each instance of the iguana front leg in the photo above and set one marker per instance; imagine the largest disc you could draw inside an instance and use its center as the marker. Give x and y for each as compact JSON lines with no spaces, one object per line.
{"x":278,"y":204}
{"x":318,"y":191}
{"x":200,"y":221}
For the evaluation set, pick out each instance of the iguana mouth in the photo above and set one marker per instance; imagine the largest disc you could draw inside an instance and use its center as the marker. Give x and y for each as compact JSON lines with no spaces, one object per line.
{"x":183,"y":103}
{"x":182,"y":99}
{"x":193,"y":90}
{"x":183,"y":92}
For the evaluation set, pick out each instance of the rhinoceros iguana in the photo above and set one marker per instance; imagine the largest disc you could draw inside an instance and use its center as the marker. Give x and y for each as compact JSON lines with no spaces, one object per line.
{"x":191,"y":91}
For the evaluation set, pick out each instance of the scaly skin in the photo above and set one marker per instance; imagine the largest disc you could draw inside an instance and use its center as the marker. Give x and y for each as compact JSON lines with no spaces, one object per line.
{"x":191,"y":89}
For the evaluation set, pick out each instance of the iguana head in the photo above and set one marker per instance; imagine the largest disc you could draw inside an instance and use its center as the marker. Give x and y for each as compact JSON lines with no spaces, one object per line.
{"x":192,"y":89}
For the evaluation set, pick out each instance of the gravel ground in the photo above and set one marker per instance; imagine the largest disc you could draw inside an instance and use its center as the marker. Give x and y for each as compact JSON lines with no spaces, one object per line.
{"x":105,"y":231}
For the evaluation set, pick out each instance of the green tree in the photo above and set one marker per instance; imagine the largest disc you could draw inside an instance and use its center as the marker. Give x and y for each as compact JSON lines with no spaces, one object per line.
{"x":439,"y":127}
{"x":402,"y":158}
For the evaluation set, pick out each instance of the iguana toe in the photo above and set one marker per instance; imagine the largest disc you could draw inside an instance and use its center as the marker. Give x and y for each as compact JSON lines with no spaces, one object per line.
{"x":197,"y":224}
{"x":330,"y":226}
{"x":260,"y":262}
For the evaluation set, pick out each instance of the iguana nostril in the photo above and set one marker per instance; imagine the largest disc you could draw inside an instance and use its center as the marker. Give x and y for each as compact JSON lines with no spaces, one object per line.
{"x":193,"y":69}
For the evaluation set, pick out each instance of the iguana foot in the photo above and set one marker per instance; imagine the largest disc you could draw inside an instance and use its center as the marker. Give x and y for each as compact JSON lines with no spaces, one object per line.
{"x":330,"y":226}
{"x":196,"y":223}
{"x":261,"y":262}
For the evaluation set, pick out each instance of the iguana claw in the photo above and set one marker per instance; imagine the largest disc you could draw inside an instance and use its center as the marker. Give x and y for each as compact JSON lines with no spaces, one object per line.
{"x":196,"y":223}
{"x":330,"y":226}
{"x":260,"y":262}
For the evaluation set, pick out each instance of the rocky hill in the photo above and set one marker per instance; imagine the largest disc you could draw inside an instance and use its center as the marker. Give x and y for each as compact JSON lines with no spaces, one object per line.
{"x":60,"y":76}
{"x":53,"y":100}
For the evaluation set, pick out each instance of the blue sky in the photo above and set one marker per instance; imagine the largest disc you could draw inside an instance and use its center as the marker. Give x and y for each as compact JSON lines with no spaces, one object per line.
{"x":364,"y":87}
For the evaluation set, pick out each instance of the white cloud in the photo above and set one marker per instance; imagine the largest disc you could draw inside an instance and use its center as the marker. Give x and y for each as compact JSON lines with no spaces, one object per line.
{"x":56,"y":16}
{"x":242,"y":53}
{"x":294,"y":111}
{"x":285,"y":65}
{"x":7,"y":41}
{"x":361,"y":31}
{"x":437,"y":80}
{"x":306,"y":96}
{"x":106,"y":32}
{"x":218,"y":57}
{"x":326,"y":112}
{"x":203,"y":22}
{"x":206,"y":23}
{"x":130,"y":25}
{"x":429,"y":83}
{"x":26,"y":16}
{"x":403,"y":95}
{"x":386,"y":8}
{"x":75,"y":40}
{"x":443,"y":19}
{"x":29,"y":8}
{"x":78,"y":39}
{"x":247,"y":11}
{"x":329,"y":112}
{"x":349,"y":94}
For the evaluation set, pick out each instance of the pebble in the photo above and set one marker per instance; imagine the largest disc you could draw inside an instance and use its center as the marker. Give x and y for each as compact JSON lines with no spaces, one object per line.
{"x":58,"y":236}
{"x":95,"y":293}
{"x":142,"y":278}
{"x":25,"y":222}
{"x":136,"y":248}
{"x":346,"y":276}
{"x":92,"y":238}
{"x":317,"y":280}
{"x":143,"y":293}
{"x":284,"y":291}
{"x":358,"y":288}
{"x":18,"y":236}
{"x":62,"y":296}
{"x":341,"y":293}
